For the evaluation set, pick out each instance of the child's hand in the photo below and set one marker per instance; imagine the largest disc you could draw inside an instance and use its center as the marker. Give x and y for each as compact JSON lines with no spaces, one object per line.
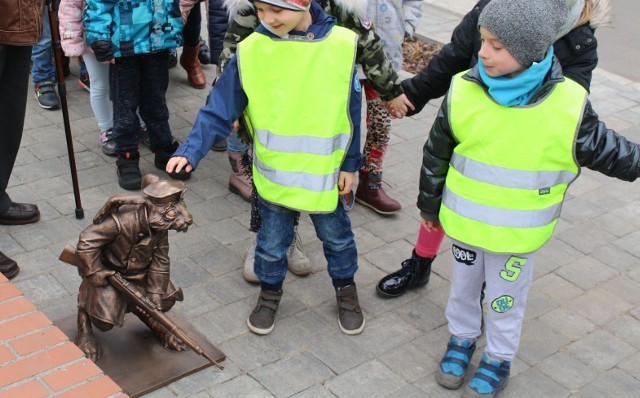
{"x":399,"y":106}
{"x":346,"y":181}
{"x":178,"y":163}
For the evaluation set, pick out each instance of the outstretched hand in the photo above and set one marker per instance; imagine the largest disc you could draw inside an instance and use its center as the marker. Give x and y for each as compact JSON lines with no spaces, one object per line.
{"x":178,"y":163}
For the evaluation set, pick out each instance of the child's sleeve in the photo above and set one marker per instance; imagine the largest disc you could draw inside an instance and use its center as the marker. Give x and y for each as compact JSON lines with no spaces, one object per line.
{"x":437,"y":153}
{"x":602,"y":149}
{"x":412,"y":12}
{"x":98,"y":19}
{"x":353,"y":158}
{"x":214,"y":122}
{"x":434,"y":80}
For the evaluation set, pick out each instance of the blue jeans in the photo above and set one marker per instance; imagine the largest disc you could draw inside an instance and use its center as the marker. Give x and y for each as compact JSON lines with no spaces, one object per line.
{"x":276,"y":235}
{"x":42,"y":66}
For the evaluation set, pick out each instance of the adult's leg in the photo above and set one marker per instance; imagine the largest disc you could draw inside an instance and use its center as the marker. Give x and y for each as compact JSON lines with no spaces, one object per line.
{"x":14,"y":83}
{"x":189,"y":57}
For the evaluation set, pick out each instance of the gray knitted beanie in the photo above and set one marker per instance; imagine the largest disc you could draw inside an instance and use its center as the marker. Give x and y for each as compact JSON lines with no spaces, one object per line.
{"x":527,"y":28}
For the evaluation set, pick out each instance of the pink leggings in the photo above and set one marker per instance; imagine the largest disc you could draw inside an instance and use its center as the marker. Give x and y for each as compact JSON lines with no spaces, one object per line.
{"x":428,"y":243}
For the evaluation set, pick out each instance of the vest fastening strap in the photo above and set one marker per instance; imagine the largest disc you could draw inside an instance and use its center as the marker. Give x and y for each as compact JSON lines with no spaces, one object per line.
{"x":308,"y":181}
{"x":500,"y":217}
{"x":509,"y":178}
{"x":302,"y":143}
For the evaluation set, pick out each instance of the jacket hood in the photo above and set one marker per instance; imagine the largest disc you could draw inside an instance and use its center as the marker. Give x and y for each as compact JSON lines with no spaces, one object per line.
{"x":600,"y":15}
{"x":357,"y":8}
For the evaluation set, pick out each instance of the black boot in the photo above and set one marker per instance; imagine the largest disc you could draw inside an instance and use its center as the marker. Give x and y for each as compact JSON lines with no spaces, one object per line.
{"x":414,"y":273}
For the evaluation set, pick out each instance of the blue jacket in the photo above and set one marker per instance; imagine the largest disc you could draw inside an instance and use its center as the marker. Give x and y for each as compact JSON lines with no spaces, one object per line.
{"x":134,"y":26}
{"x":228,"y":100}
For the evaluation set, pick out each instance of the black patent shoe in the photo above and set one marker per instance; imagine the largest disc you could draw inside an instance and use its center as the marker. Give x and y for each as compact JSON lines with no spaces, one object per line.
{"x":415,"y":272}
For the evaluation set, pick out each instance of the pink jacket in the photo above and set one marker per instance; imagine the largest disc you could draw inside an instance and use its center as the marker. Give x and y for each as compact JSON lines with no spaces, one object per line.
{"x":71,"y":28}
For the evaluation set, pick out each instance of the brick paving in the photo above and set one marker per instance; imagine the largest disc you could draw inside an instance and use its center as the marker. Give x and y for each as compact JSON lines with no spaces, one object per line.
{"x":581,"y":336}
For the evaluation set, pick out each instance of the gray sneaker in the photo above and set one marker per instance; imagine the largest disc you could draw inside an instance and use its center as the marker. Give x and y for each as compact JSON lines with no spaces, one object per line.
{"x":350,"y":316}
{"x":263,"y":317}
{"x":247,"y":271}
{"x":299,"y":263}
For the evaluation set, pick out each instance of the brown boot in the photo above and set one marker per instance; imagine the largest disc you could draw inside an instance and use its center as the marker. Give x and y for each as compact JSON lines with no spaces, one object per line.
{"x":239,"y":180}
{"x":189,"y":61}
{"x":371,"y":194}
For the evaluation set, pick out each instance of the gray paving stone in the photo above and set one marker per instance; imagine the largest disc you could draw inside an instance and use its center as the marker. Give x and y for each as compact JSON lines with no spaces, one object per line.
{"x":410,"y":362}
{"x":614,"y":383}
{"x":339,"y":351}
{"x":599,"y":306}
{"x":242,"y":386}
{"x":556,"y":288}
{"x":371,"y":379}
{"x":292,"y":375}
{"x":538,"y":341}
{"x":587,"y":236}
{"x":300,"y":331}
{"x":250,"y":351}
{"x":626,"y":328}
{"x":567,"y":322}
{"x":586,"y":273}
{"x":567,"y":371}
{"x":601,"y":350}
{"x":384,"y":333}
{"x":314,"y":392}
{"x":534,"y":384}
{"x":616,"y":258}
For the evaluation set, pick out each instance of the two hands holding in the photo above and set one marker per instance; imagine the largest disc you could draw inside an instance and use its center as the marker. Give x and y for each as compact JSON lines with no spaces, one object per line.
{"x":399,"y":106}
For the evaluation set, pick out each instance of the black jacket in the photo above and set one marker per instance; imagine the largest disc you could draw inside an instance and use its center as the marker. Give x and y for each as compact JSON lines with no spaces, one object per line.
{"x":576,"y":51}
{"x":596,"y":147}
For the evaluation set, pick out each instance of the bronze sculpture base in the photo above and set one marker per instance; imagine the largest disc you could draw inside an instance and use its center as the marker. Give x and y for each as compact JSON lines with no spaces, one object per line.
{"x":135,"y":359}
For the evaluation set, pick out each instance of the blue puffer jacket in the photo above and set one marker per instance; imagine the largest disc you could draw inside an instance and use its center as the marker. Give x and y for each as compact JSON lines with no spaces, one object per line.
{"x":134,"y":26}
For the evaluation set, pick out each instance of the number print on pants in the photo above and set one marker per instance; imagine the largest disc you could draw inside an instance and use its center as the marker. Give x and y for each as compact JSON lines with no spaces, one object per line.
{"x":513,"y":268}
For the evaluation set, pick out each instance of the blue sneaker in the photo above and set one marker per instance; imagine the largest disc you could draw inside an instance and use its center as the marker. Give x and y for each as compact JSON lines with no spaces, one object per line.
{"x":453,"y":366}
{"x":492,"y":376}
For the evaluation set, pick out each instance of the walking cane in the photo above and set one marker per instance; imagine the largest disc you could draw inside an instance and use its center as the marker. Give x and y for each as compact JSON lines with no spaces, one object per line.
{"x":62,"y":90}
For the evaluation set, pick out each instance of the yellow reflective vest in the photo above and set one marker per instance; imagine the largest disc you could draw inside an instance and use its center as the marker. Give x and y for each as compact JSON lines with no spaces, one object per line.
{"x":510,"y":171}
{"x":298,"y":115}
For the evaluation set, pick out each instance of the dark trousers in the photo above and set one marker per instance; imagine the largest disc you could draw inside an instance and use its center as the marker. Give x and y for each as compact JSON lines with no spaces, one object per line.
{"x":14,"y":83}
{"x":191,"y":29}
{"x":140,"y":82}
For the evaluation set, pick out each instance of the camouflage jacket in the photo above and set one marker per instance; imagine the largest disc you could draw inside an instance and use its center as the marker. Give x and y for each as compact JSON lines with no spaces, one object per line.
{"x":376,"y":66}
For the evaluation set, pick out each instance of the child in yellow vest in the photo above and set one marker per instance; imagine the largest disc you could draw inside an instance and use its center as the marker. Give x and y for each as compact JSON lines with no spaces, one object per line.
{"x":508,"y":140}
{"x":306,"y":134}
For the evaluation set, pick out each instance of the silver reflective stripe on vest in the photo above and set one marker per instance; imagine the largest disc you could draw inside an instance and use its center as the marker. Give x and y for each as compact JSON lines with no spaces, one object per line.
{"x":311,"y":182}
{"x":302,"y":143}
{"x":500,"y":217}
{"x":509,"y":178}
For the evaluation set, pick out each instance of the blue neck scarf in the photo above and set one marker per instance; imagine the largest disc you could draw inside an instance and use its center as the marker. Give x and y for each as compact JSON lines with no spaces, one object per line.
{"x":510,"y":91}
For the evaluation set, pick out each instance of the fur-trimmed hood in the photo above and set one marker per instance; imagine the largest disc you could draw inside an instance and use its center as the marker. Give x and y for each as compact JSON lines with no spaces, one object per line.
{"x":600,"y":15}
{"x":357,"y":8}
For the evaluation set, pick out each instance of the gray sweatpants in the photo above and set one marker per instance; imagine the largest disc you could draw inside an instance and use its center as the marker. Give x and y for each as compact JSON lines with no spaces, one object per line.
{"x":508,"y":278}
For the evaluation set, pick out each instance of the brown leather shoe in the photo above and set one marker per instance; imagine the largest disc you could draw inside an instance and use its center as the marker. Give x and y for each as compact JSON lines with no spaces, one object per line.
{"x":20,"y":214}
{"x":263,"y":317}
{"x":8,"y":267}
{"x":350,"y":316}
{"x":371,"y":194}
{"x":189,"y":61}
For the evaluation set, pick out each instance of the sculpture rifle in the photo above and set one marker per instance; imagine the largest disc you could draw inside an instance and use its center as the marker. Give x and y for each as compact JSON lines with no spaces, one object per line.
{"x":70,"y":256}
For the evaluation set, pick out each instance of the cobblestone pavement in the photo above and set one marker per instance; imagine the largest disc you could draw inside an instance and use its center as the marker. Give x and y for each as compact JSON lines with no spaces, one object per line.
{"x":581,"y":336}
